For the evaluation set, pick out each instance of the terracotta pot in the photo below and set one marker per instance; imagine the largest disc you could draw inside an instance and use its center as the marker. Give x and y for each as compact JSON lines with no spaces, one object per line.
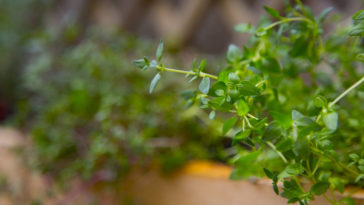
{"x":207,"y":183}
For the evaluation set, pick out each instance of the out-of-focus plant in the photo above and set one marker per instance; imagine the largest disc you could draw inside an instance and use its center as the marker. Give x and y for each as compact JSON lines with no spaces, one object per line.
{"x":18,"y":22}
{"x":282,"y":90}
{"x":89,"y":113}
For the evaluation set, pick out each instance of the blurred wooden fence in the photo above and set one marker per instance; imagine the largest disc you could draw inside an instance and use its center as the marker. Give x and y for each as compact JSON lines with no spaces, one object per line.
{"x":205,"y":24}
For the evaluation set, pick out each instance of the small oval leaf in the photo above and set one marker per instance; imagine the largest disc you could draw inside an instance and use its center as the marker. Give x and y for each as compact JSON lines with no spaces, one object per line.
{"x":205,"y":85}
{"x":154,"y":82}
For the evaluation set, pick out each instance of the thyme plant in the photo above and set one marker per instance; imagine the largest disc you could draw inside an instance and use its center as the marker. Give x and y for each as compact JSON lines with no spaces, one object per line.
{"x":295,"y":102}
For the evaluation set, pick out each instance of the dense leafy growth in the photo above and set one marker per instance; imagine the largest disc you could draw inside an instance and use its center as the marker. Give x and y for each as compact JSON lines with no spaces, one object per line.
{"x":282,"y":92}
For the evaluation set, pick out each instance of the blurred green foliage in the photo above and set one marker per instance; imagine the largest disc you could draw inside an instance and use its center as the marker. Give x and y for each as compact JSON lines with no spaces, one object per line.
{"x":18,"y":21}
{"x":89,"y":111}
{"x":76,"y":92}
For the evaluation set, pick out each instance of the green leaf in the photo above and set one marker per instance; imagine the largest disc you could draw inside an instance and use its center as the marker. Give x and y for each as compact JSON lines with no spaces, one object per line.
{"x":268,"y":173}
{"x":234,"y":78}
{"x":271,"y":132}
{"x":153,"y":64}
{"x":234,"y":54}
{"x":260,"y":32}
{"x":220,"y":92}
{"x":272,"y":12}
{"x":284,"y":144}
{"x":360,"y":57}
{"x":301,"y":120}
{"x":272,"y":65}
{"x":291,"y":191}
{"x":348,"y":201}
{"x":357,"y":30}
{"x":159,"y":52}
{"x":324,"y":14}
{"x":154,"y":82}
{"x":212,"y":115}
{"x":244,"y":28}
{"x":331,"y":120}
{"x":354,"y":157}
{"x":283,"y":119}
{"x":217,"y":89}
{"x":291,"y":170}
{"x":147,"y":63}
{"x":242,"y":107}
{"x":320,"y":188}
{"x":360,"y":177}
{"x":359,"y":15}
{"x":202,"y":65}
{"x":140,"y":63}
{"x":275,"y":187}
{"x":241,"y":135}
{"x":248,"y":89}
{"x":243,"y":165}
{"x":229,"y":123}
{"x":293,"y":200}
{"x":320,"y":101}
{"x":205,"y":85}
{"x":299,"y":47}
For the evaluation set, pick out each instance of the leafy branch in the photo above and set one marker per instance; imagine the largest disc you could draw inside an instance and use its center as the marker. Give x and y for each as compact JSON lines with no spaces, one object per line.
{"x":275,"y":111}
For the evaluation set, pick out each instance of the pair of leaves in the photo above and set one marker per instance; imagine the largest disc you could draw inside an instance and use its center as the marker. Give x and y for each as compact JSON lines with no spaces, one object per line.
{"x":274,"y":177}
{"x":292,"y":191}
{"x":144,"y":64}
{"x":358,"y":20}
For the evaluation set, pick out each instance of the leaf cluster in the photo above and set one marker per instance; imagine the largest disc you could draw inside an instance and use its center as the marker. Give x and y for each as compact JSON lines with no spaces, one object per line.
{"x":281,"y":93}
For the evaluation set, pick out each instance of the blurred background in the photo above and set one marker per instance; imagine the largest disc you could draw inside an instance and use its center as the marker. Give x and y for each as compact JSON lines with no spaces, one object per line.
{"x":68,"y":84}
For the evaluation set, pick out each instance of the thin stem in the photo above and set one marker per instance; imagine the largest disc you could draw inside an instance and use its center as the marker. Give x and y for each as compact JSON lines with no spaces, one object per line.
{"x":277,"y":151}
{"x":316,"y":166}
{"x":333,"y":196}
{"x":252,"y":116}
{"x":347,"y":91}
{"x":335,"y":161}
{"x":298,"y":183}
{"x":247,"y":121}
{"x":201,"y":74}
{"x":260,"y":83}
{"x":287,"y":20}
{"x":243,"y":125}
{"x":328,"y":199}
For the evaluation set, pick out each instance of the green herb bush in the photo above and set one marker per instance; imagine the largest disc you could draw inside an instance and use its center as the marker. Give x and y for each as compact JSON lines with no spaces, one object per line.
{"x":295,"y":102}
